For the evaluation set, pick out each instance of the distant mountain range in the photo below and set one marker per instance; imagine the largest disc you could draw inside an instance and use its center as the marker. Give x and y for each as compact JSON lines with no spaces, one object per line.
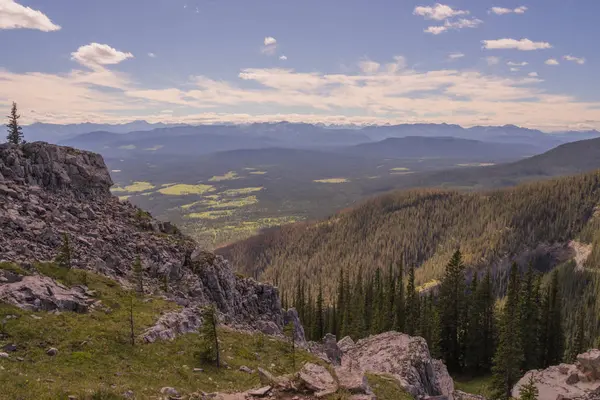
{"x":141,"y":136}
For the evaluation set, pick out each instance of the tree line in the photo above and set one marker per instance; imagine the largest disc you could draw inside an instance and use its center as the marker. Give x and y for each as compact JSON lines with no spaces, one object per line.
{"x":463,"y":321}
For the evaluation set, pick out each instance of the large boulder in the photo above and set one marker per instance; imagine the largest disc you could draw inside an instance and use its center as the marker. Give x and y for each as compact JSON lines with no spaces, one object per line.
{"x":567,"y":381}
{"x":317,"y":379}
{"x":400,"y":356}
{"x":41,"y":293}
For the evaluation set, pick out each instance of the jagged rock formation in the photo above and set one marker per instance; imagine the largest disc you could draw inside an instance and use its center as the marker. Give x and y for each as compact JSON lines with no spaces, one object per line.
{"x":47,"y":191}
{"x":579,"y":381}
{"x":400,"y":356}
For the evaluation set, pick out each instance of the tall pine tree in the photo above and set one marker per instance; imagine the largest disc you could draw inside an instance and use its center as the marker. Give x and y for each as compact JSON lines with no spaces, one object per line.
{"x":509,"y":354}
{"x":529,"y":320}
{"x":15,"y":131}
{"x":399,"y":307}
{"x":412,"y":304}
{"x":451,"y":305}
{"x":553,"y":345}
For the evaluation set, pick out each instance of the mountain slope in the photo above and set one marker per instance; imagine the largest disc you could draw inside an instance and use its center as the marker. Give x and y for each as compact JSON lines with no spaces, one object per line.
{"x":532,"y":222}
{"x":441,"y":147}
{"x":566,"y":159}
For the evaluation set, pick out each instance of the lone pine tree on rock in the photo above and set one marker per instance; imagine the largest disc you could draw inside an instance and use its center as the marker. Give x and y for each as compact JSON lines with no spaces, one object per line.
{"x":65,"y":253}
{"x":209,"y":346}
{"x":15,"y":131}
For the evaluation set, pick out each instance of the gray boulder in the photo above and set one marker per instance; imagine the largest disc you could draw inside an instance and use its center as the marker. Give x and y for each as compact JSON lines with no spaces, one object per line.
{"x":566,"y":381}
{"x":41,"y":293}
{"x":400,"y":356}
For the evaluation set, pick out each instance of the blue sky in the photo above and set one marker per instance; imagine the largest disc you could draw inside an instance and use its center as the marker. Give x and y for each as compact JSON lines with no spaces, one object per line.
{"x":530,"y":63}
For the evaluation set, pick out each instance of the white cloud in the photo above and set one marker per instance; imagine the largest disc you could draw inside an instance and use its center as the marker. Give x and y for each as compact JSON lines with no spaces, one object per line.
{"x":398,"y":64}
{"x":95,"y":55}
{"x":369,"y":67}
{"x":551,"y":61}
{"x":454,"y":25}
{"x":523,"y":44}
{"x":514,"y":69}
{"x":283,"y":57}
{"x":270,"y":46}
{"x":517,"y":64}
{"x":439,"y":12}
{"x":16,"y":16}
{"x":578,"y":60}
{"x":533,"y":74}
{"x":520,"y":10}
{"x":502,"y":10}
{"x":151,"y":55}
{"x":491,"y":60}
{"x":454,"y":56}
{"x":393,"y":94}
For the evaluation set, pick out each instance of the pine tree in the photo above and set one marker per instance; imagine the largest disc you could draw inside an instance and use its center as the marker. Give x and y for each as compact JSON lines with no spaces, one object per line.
{"x":509,"y":354}
{"x":138,"y":274}
{"x":451,"y":305}
{"x":289,"y":331}
{"x":473,"y":335}
{"x":529,"y":320}
{"x":357,"y":309}
{"x":486,"y":305}
{"x":131,"y":322}
{"x":209,"y":347}
{"x":319,"y":318}
{"x":390,"y":299}
{"x":65,"y":253}
{"x":412,"y":304}
{"x":341,"y":305}
{"x":529,"y":391}
{"x":399,"y":309}
{"x":577,"y":345}
{"x":368,"y":308}
{"x":553,"y":348}
{"x":378,"y":304}
{"x":15,"y":131}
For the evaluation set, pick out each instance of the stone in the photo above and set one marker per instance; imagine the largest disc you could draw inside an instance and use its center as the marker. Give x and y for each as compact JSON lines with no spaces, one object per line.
{"x":460,"y":395}
{"x":10,"y":347}
{"x":243,"y":368}
{"x":567,"y":381}
{"x":345,"y":343}
{"x":400,"y":356}
{"x":4,"y":355}
{"x":129,"y":394}
{"x":572,"y":379}
{"x":590,"y":362}
{"x":170,"y":391}
{"x":261,"y":392}
{"x":317,"y":379}
{"x":198,"y":370}
{"x":52,"y":351}
{"x":331,"y":349}
{"x":41,"y":293}
{"x":266,"y":378}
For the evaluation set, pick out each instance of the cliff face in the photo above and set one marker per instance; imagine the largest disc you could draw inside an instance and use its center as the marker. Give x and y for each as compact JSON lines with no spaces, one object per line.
{"x":47,"y":191}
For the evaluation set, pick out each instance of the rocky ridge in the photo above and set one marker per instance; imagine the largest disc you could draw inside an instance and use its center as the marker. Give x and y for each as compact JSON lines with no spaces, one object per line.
{"x":47,"y":191}
{"x":579,"y":381}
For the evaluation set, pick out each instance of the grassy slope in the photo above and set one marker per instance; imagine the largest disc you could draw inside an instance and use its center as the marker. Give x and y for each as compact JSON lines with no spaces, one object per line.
{"x":95,"y":354}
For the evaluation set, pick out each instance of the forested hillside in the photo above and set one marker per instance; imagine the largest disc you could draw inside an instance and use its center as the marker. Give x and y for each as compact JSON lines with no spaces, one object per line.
{"x":529,"y":223}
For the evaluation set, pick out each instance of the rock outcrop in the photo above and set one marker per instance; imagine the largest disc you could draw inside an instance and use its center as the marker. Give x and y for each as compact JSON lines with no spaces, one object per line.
{"x":40,"y":293}
{"x":579,"y":381}
{"x":400,"y":356}
{"x":47,"y":191}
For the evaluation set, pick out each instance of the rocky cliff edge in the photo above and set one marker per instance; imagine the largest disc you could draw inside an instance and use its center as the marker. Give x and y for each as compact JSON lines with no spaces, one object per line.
{"x":47,"y":191}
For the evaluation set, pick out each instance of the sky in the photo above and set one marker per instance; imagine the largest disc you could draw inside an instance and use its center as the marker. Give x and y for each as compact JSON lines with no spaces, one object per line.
{"x":532,"y":63}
